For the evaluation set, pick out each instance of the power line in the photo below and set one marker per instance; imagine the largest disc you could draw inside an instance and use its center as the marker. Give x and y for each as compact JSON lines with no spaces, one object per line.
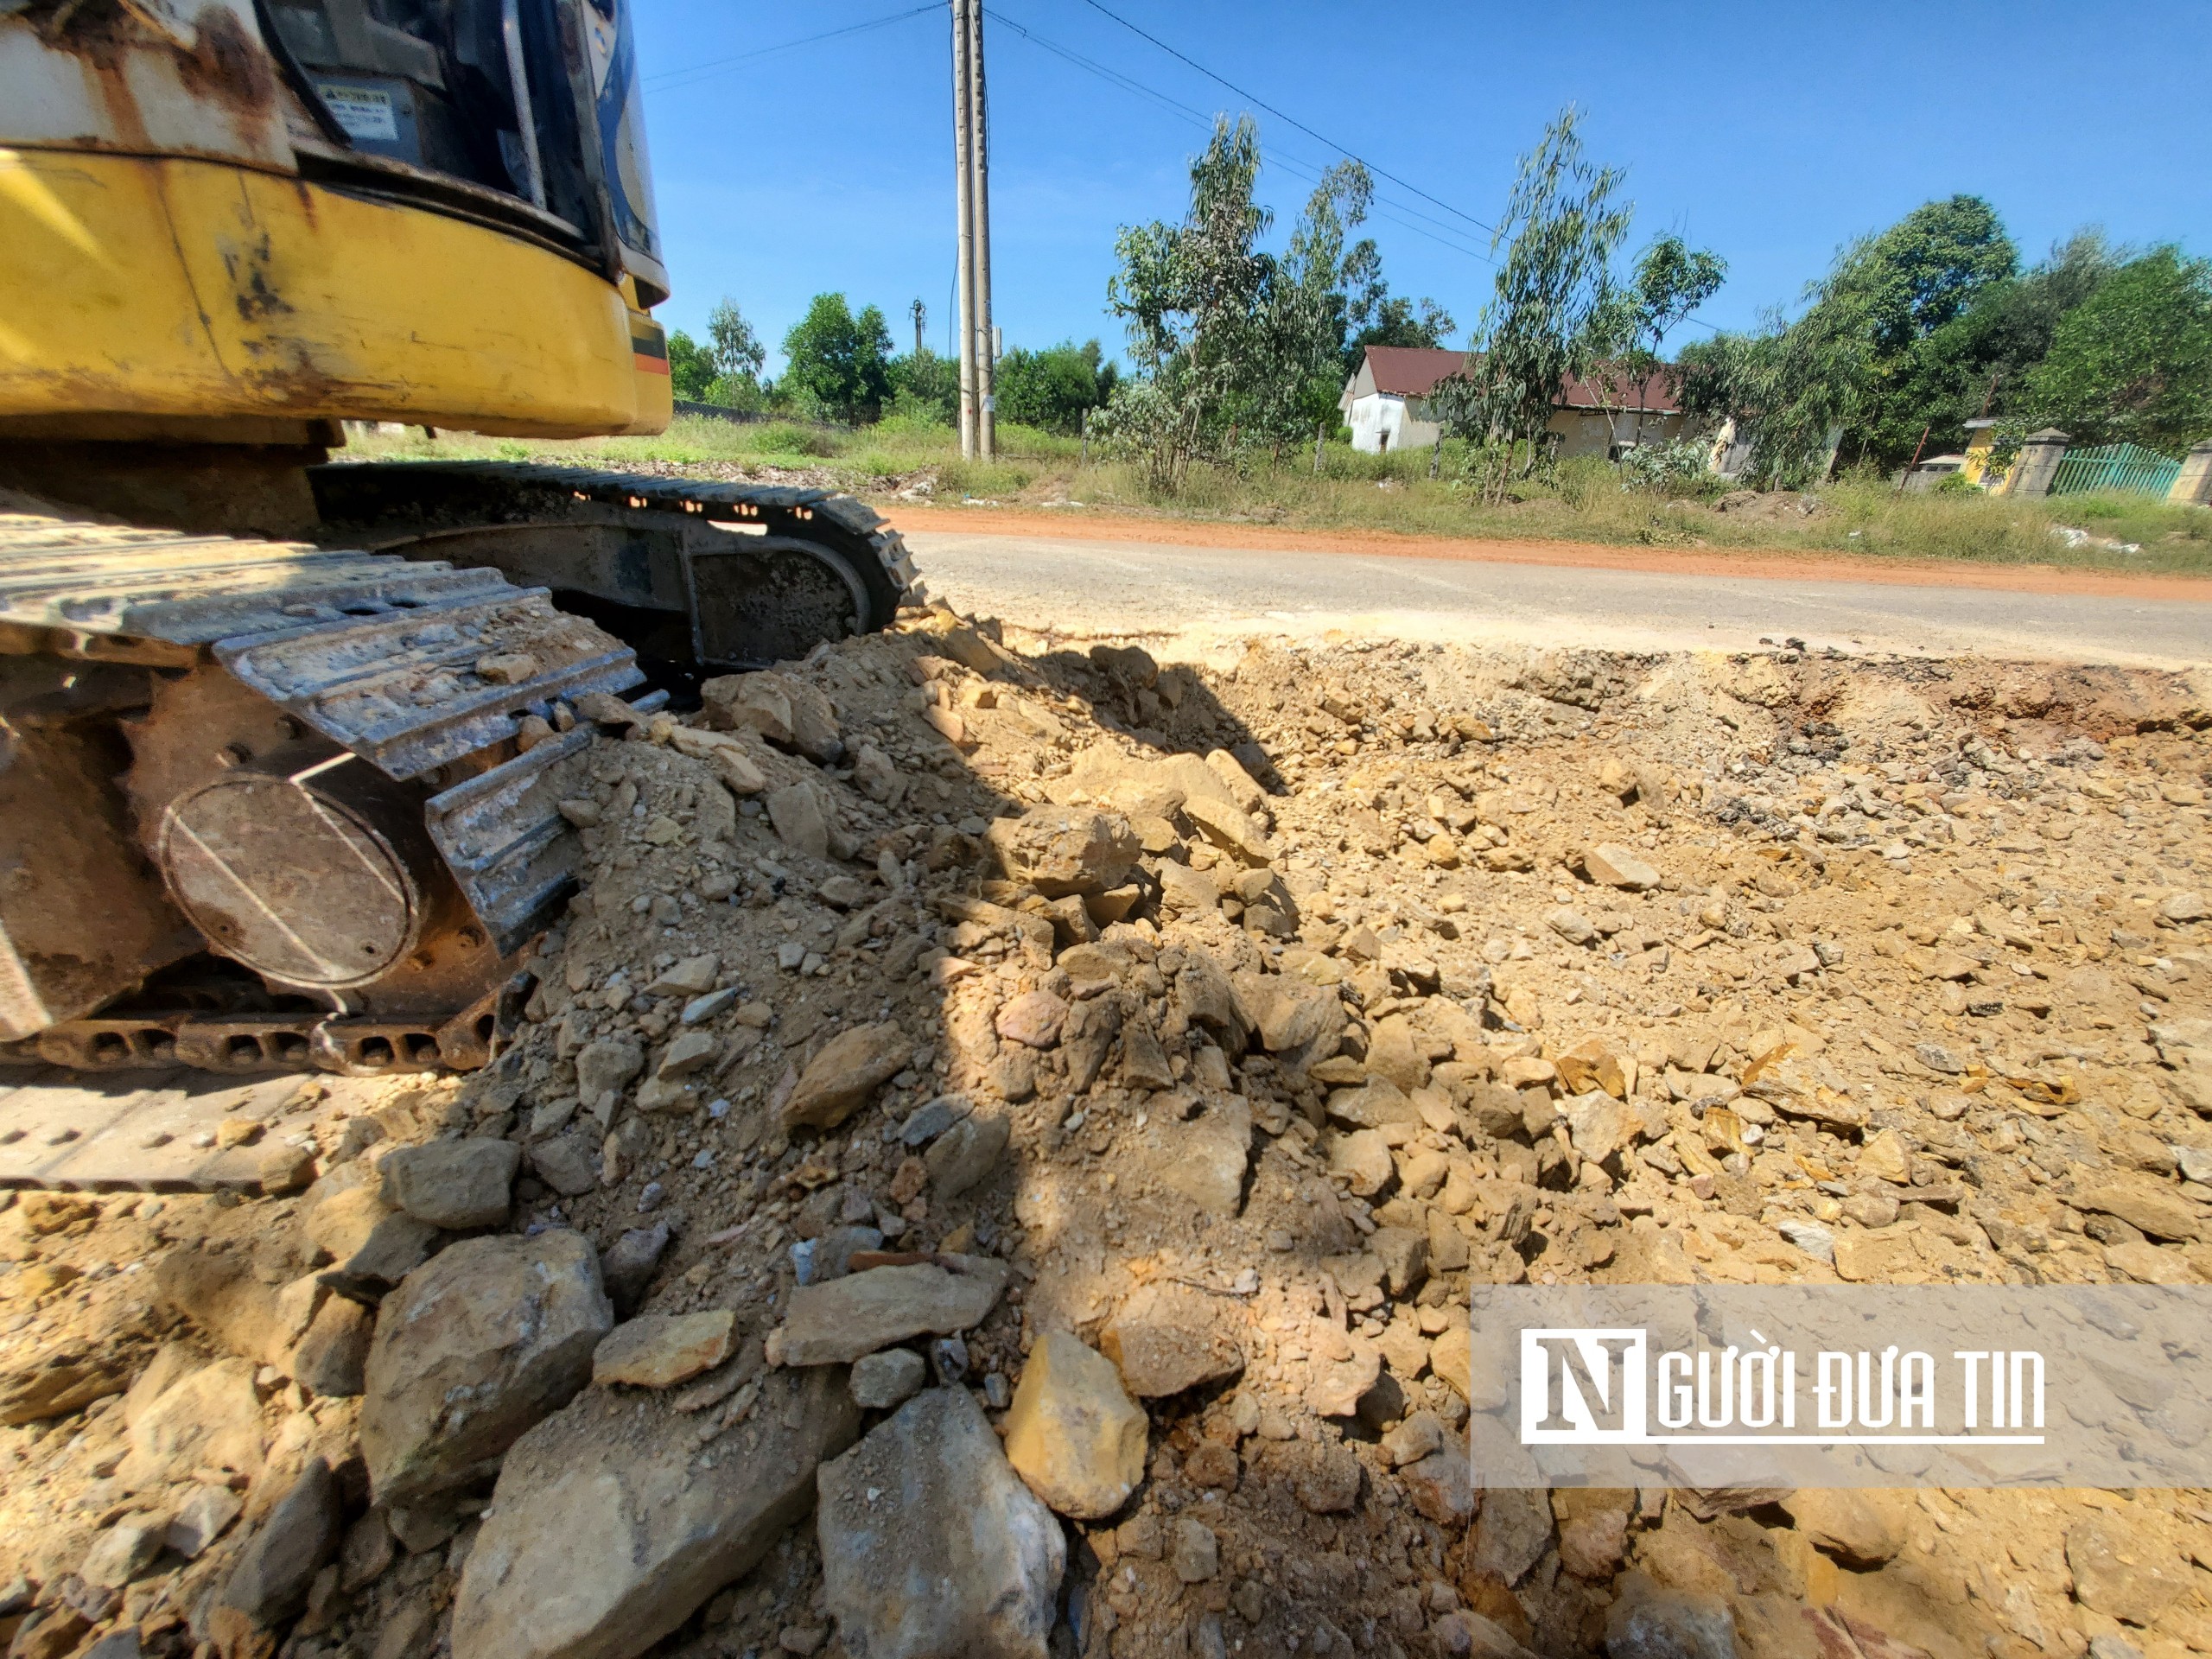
{"x":668,"y":80}
{"x":1441,"y":233}
{"x":1292,"y":120}
{"x":1278,"y":115}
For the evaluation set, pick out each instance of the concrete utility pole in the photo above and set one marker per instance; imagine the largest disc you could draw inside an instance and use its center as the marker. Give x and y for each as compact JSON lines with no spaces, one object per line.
{"x":979,"y":205}
{"x":962,"y":135}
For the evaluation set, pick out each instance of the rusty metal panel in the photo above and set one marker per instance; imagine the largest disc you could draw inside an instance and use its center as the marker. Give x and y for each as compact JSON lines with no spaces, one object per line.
{"x":168,"y":77}
{"x":503,"y":835}
{"x":414,"y":689}
{"x":193,"y":590}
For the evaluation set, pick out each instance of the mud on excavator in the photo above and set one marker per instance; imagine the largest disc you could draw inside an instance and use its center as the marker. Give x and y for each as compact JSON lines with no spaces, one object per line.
{"x":281,"y":734}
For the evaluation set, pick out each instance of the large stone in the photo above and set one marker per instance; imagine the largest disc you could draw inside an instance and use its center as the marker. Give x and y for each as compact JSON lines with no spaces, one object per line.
{"x":270,"y":1581}
{"x":1597,"y":1125}
{"x":471,"y":1350}
{"x":220,"y":1292}
{"x":1592,"y":1543}
{"x":606,"y":1063}
{"x":55,"y":1384}
{"x":206,"y":1418}
{"x":341,"y":1210}
{"x":1442,"y":1486}
{"x":200,"y":1520}
{"x":1374,"y":1105}
{"x":836,"y":1323}
{"x":2123,"y":1573}
{"x":1290,"y":1017}
{"x":1208,"y":1156}
{"x":850,"y":1067}
{"x":931,"y":1547}
{"x":1059,"y":850}
{"x":887,"y":1379}
{"x":2149,"y":1206}
{"x":331,"y":1359}
{"x":1615,"y":866}
{"x":457,"y":1184}
{"x":1184,"y":891}
{"x":1362,"y":1158}
{"x":609,"y":1526}
{"x":1073,"y":1433}
{"x":1207,"y":997}
{"x":1514,"y":1530}
{"x":1647,"y":1622}
{"x":786,"y":710}
{"x":1337,"y":1381}
{"x":121,"y":1552}
{"x":1167,"y":1338}
{"x":966,"y":1154}
{"x":625,"y":1267}
{"x":567,"y":1164}
{"x":1860,"y":1528}
{"x":1231,"y":827}
{"x":659,"y":1351}
{"x":801,"y":817}
{"x":1033,"y":1020}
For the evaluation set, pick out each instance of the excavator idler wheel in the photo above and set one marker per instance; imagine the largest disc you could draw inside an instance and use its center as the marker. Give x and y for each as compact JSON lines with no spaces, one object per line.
{"x":288,"y":881}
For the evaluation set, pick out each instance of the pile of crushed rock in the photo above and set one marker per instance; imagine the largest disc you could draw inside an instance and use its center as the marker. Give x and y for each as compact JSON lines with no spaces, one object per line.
{"x":996,"y":1160}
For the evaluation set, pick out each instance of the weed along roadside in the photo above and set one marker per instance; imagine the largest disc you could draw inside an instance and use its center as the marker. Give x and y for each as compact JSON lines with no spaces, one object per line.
{"x":913,"y":473}
{"x":1030,"y":1124}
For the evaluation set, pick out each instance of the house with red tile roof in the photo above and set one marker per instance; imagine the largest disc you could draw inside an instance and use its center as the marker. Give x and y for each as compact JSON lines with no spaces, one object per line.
{"x":1385,"y":403}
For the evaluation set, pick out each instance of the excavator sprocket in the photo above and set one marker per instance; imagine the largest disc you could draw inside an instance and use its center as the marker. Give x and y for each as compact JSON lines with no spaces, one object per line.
{"x":700,"y":577}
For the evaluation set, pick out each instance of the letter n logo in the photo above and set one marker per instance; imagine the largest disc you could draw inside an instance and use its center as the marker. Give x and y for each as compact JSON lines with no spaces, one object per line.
{"x":1582,"y":1387}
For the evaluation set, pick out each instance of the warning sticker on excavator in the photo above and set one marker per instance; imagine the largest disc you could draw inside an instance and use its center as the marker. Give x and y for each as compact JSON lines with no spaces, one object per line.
{"x":363,"y":112}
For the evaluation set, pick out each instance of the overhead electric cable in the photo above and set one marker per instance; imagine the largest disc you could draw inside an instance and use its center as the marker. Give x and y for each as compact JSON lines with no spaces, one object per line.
{"x":1434,"y":229}
{"x":669,"y":79}
{"x":1262,"y":103}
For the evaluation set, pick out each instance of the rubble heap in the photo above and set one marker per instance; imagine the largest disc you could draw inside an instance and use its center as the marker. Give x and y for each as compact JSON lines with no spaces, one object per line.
{"x":994,"y":1159}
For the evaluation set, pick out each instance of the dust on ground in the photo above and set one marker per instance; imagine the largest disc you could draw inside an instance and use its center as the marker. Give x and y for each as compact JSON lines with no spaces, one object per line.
{"x":1234,"y":1019}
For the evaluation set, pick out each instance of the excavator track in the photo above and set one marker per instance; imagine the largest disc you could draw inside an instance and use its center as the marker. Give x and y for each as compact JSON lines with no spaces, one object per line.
{"x":700,"y":577}
{"x":334,"y":767}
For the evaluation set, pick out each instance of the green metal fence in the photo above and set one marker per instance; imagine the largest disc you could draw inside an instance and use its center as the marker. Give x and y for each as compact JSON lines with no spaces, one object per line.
{"x":2125,"y":467}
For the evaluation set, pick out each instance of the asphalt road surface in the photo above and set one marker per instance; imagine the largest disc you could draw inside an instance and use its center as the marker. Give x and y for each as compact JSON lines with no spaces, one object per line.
{"x":1201,"y":593}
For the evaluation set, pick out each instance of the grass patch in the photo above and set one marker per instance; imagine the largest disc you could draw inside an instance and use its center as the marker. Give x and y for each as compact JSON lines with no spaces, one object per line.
{"x":1586,"y":501}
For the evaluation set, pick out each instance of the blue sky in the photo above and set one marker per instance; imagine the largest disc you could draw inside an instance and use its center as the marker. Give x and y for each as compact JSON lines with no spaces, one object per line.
{"x":1770,"y":133}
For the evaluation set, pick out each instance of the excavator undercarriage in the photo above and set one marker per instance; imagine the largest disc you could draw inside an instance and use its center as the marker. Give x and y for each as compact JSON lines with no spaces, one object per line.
{"x":267,"y":805}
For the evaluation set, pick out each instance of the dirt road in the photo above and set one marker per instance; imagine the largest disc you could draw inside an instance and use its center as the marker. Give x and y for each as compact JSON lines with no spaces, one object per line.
{"x":1193,"y":582}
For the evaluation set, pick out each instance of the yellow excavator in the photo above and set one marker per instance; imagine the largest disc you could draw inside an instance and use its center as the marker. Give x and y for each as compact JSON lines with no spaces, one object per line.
{"x":281,"y":732}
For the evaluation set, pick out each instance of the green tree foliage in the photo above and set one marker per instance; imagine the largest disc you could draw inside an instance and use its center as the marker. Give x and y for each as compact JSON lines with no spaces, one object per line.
{"x":726,"y":369}
{"x":1050,"y":389}
{"x":1789,"y":387}
{"x":2132,"y":362}
{"x":1236,"y":348}
{"x":1561,"y":227}
{"x":1903,"y":287}
{"x":1386,"y":318}
{"x":1855,"y":365}
{"x":924,"y":390}
{"x":690,"y":367}
{"x":1978,"y":362}
{"x":837,"y":363}
{"x":1193,"y":295}
{"x":1671,"y":280}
